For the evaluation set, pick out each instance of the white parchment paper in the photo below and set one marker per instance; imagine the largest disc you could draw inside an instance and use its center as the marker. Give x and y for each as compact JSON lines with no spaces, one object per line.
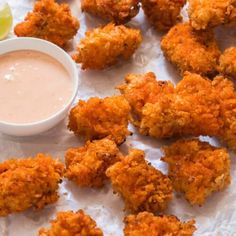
{"x":216,"y":218}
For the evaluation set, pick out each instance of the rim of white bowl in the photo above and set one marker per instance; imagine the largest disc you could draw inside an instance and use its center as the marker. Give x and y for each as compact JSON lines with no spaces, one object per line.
{"x":75,"y":80}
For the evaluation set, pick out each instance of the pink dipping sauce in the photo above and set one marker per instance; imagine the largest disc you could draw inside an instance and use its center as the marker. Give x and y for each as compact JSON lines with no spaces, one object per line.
{"x":33,"y":86}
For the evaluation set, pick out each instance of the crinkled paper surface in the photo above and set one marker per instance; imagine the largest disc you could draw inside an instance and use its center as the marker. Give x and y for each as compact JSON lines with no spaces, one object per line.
{"x":216,"y":218}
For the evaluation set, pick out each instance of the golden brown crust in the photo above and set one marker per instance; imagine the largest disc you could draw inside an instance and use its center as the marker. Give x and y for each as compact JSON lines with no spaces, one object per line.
{"x":119,"y":12}
{"x":211,"y":13}
{"x":98,"y":118}
{"x":146,"y":223}
{"x":86,"y":165}
{"x":227,"y":65}
{"x":197,"y":106}
{"x":49,"y":21}
{"x":143,"y":187}
{"x":190,"y":50}
{"x":163,"y":14}
{"x":70,"y":224}
{"x":31,"y":182}
{"x":197,"y":169}
{"x":102,"y":47}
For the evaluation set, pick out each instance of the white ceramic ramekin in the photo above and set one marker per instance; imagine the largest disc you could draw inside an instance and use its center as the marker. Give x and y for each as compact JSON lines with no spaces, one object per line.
{"x":54,"y":51}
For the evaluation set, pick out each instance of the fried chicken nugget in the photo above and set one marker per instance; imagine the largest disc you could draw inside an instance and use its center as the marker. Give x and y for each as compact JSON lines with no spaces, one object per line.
{"x":30,"y":182}
{"x":119,"y":12}
{"x":143,"y":187}
{"x":140,"y":89}
{"x":87,"y":165}
{"x":49,"y":21}
{"x":190,"y":50}
{"x":146,"y":223}
{"x":163,"y":14}
{"x":98,"y":118}
{"x":71,"y":224}
{"x":210,"y":13}
{"x":197,"y":169}
{"x":103,"y":46}
{"x":228,"y":62}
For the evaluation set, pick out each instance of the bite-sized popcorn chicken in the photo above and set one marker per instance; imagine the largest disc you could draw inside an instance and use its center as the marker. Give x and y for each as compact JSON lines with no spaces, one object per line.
{"x":190,"y":50}
{"x":228,"y":62}
{"x":197,"y":106}
{"x":211,"y":13}
{"x":103,"y":46}
{"x":140,"y":89}
{"x":163,"y":14}
{"x":86,"y":165}
{"x":50,"y":21}
{"x":29,"y":182}
{"x":72,"y":224}
{"x":117,"y":11}
{"x":142,"y":187}
{"x":146,"y":223}
{"x":197,"y":169}
{"x":98,"y":118}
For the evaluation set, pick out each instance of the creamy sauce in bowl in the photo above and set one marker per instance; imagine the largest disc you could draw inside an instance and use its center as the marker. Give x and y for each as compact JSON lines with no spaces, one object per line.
{"x":33,"y":86}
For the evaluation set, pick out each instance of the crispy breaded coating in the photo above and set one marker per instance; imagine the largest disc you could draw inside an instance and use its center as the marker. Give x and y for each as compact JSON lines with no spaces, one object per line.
{"x":190,"y":50}
{"x":50,"y":21}
{"x":146,"y":223}
{"x":98,"y":118}
{"x":197,"y":169}
{"x":211,"y":13}
{"x":72,"y":224}
{"x":103,"y":46}
{"x":86,"y":165}
{"x":117,"y":11}
{"x":142,"y":187}
{"x":140,"y":89}
{"x":197,"y":106}
{"x":30,"y":182}
{"x":228,"y":62}
{"x":163,"y":14}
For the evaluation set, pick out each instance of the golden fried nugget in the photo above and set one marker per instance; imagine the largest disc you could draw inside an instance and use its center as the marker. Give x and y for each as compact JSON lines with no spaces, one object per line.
{"x":146,"y":223}
{"x":117,"y":11}
{"x":211,"y":13}
{"x":197,"y":106}
{"x":30,"y":182}
{"x":49,"y":21}
{"x":98,"y":118}
{"x":86,"y":166}
{"x":228,"y":62}
{"x":140,"y":89}
{"x":143,"y":187}
{"x":103,"y":46}
{"x":197,"y":169}
{"x":189,"y":50}
{"x":71,"y":224}
{"x":163,"y":14}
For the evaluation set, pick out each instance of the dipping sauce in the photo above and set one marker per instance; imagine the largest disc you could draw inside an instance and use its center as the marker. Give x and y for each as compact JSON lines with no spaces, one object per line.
{"x":33,"y":86}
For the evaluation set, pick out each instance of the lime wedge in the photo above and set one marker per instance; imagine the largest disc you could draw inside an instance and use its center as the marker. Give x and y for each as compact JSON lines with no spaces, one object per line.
{"x":5,"y":20}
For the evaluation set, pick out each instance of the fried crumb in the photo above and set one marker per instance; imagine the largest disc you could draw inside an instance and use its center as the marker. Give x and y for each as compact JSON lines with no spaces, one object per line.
{"x":119,"y":12}
{"x":98,"y":118}
{"x":49,"y":21}
{"x":29,"y":182}
{"x":103,"y":46}
{"x":86,"y":165}
{"x":190,"y":50}
{"x":142,"y":187}
{"x":146,"y":223}
{"x":71,"y":224}
{"x":163,"y":14}
{"x":197,"y":169}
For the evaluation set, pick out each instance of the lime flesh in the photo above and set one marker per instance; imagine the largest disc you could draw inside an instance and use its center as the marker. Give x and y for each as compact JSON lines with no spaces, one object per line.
{"x":5,"y":20}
